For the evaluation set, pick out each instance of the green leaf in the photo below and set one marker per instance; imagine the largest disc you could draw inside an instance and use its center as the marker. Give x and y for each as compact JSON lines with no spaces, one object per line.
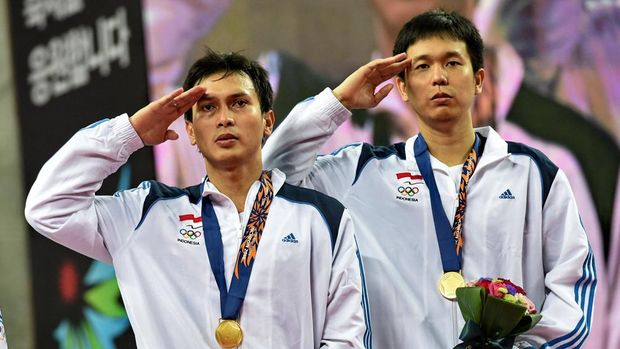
{"x":470,"y":300}
{"x":526,"y":323}
{"x":500,"y":317}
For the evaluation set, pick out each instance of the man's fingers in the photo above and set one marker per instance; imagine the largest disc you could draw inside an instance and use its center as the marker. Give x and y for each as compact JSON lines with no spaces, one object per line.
{"x":389,"y":71}
{"x":171,"y":135}
{"x":178,"y":99}
{"x":168,"y":99}
{"x":389,"y":60}
{"x":382,"y":93}
{"x":384,"y":62}
{"x":185,"y":101}
{"x":383,"y":72}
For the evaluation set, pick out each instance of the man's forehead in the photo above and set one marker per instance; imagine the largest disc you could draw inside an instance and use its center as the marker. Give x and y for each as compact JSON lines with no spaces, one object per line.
{"x":227,"y":83}
{"x":437,"y":45}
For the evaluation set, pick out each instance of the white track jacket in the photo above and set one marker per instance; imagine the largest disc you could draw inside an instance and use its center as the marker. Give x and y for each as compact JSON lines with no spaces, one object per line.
{"x":305,"y":288}
{"x":521,"y":223}
{"x":3,"y":344}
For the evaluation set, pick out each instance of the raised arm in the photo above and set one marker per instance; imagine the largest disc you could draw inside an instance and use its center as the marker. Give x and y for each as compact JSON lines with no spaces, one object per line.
{"x":294,"y":146}
{"x":62,"y":204}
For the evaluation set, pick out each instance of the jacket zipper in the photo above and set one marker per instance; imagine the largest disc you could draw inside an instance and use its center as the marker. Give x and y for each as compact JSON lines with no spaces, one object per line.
{"x":455,"y":335}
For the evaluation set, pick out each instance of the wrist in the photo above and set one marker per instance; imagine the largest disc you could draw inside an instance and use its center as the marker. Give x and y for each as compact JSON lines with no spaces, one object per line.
{"x":125,"y":132}
{"x":341,"y":97}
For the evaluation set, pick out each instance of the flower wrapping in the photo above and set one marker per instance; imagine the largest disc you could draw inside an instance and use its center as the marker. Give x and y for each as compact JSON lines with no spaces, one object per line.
{"x":495,"y":312}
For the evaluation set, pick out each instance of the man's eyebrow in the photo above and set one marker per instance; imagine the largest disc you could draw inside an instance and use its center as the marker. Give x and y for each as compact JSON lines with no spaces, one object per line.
{"x":207,"y":96}
{"x":447,"y":54}
{"x":454,"y":54}
{"x":419,"y":58}
{"x":204,"y":97}
{"x":238,"y":94}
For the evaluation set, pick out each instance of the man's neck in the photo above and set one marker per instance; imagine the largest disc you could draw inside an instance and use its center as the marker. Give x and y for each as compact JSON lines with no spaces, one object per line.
{"x":450,"y":146}
{"x":235,"y":182}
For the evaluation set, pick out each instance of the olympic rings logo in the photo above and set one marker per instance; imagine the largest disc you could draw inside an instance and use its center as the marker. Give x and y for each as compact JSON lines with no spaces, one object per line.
{"x":409,"y":191}
{"x":190,"y":234}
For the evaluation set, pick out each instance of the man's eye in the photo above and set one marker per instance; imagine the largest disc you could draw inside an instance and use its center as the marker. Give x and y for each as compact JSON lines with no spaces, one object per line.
{"x":453,"y":63}
{"x":207,"y":107}
{"x":240,"y":103}
{"x":421,"y":66}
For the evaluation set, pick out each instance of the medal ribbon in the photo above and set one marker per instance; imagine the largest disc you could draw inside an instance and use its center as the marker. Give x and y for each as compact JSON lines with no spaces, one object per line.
{"x":231,"y":300}
{"x":450,"y":239}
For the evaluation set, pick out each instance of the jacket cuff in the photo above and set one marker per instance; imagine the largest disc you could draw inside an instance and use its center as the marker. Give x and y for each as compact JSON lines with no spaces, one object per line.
{"x":123,"y":131}
{"x":334,"y":112}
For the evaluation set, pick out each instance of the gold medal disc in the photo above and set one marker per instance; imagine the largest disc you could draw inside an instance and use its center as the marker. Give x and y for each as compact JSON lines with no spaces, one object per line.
{"x":229,"y":334}
{"x":448,"y":283}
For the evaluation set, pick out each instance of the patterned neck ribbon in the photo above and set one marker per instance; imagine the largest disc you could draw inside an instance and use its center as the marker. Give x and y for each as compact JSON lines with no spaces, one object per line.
{"x":468,"y":170}
{"x":450,"y":239}
{"x":232,"y":299}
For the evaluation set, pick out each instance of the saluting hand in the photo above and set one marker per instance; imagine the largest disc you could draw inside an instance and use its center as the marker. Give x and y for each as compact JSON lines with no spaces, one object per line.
{"x":153,"y":121}
{"x":358,"y":90}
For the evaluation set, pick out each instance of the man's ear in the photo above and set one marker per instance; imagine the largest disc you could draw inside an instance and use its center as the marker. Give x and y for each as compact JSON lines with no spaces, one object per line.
{"x":479,"y":81}
{"x":401,"y":86}
{"x":189,"y":127}
{"x":269,"y":119}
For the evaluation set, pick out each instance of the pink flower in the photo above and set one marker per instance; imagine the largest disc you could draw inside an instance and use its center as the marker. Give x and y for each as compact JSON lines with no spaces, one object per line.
{"x":497,"y":290}
{"x":484,"y":283}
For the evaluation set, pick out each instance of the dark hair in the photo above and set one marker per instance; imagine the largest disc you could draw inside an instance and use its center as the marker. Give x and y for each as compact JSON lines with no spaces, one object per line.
{"x":442,"y":24}
{"x":230,"y":63}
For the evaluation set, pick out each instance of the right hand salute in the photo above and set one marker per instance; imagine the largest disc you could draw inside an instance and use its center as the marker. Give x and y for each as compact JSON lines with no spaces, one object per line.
{"x":153,"y":121}
{"x":358,"y":90}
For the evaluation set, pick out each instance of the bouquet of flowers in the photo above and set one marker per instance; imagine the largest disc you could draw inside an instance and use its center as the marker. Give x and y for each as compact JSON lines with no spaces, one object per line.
{"x":495,"y":312}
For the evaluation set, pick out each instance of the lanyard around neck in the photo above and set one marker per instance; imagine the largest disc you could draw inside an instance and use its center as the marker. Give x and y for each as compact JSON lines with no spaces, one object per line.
{"x":232,"y":299}
{"x":450,"y":239}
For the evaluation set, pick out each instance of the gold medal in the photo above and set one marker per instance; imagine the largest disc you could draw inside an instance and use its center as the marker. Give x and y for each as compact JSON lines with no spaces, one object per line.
{"x":448,"y":283}
{"x":229,"y":334}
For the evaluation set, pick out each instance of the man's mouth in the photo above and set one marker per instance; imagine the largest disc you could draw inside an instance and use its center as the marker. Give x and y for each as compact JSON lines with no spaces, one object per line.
{"x":226,"y":138}
{"x":441,"y":95}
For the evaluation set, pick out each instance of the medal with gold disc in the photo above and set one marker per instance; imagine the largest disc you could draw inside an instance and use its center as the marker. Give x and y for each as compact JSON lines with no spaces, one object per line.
{"x":228,"y":332}
{"x":448,"y":283}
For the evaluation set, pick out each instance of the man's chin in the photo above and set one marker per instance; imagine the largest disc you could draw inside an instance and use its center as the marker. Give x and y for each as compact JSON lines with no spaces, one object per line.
{"x":225,"y":161}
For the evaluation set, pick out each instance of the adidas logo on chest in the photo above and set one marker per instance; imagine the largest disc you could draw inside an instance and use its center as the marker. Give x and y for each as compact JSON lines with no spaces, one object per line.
{"x":290,"y":238}
{"x":507,"y":195}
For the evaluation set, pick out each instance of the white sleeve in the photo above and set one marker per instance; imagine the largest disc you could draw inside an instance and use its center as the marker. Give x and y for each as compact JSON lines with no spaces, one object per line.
{"x":346,"y":321}
{"x":570,"y":274}
{"x":62,"y":204}
{"x":294,"y":146}
{"x":3,"y":340}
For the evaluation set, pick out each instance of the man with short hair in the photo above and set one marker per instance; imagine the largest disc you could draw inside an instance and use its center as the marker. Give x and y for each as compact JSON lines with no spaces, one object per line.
{"x":183,"y":257}
{"x":450,"y":204}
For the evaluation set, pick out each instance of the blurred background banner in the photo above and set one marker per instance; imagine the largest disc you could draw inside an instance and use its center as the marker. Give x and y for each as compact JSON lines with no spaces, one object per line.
{"x":553,"y":82}
{"x":76,"y":62}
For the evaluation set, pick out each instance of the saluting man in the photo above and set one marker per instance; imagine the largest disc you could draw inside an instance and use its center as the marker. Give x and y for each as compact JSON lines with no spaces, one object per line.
{"x":452,"y":203}
{"x":240,"y":260}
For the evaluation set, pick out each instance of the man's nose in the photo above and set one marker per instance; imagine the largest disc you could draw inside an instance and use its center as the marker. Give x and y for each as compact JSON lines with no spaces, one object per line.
{"x":440,"y":77}
{"x":225,"y":118}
